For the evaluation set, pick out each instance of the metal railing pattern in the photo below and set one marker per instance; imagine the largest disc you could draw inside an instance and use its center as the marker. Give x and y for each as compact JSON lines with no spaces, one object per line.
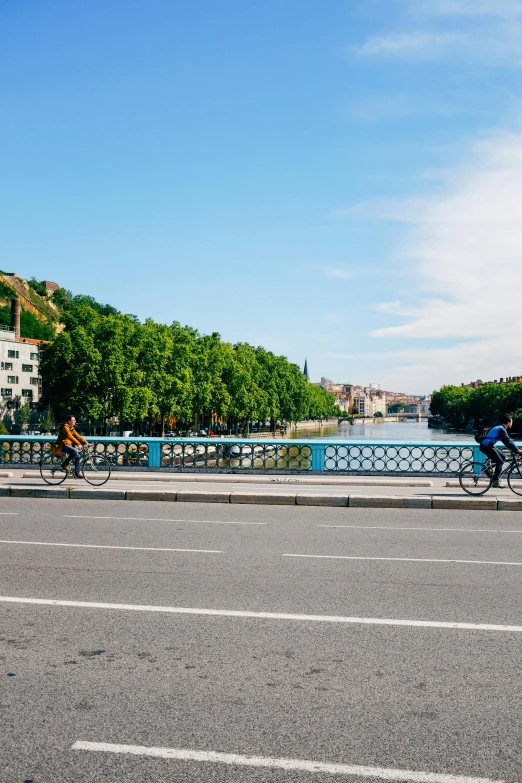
{"x":234,"y":455}
{"x":122,"y":453}
{"x":409,"y":458}
{"x":229,"y":455}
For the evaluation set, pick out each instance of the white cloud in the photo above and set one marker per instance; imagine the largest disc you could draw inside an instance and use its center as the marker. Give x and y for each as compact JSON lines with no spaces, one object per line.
{"x":482,"y":32}
{"x":334,"y":317}
{"x":406,"y":210}
{"x":506,"y":9}
{"x":417,"y":44}
{"x":397,"y":106}
{"x":465,"y":251}
{"x":339,"y":273}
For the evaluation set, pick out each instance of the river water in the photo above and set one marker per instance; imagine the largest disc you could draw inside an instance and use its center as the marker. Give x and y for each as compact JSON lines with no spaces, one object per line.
{"x":393,"y":431}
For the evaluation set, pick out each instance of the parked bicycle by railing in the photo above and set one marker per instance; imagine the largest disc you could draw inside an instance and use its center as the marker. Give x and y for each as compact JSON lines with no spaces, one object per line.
{"x":94,"y":468}
{"x":477,"y":477}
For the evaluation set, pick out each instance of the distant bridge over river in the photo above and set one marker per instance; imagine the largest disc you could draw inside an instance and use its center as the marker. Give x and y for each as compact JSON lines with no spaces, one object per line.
{"x":390,"y":417}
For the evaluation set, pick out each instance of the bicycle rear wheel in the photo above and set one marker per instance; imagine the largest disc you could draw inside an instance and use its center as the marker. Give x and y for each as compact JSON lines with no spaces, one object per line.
{"x":475,"y":478}
{"x":51,"y":470}
{"x":514,"y":478}
{"x":96,"y":470}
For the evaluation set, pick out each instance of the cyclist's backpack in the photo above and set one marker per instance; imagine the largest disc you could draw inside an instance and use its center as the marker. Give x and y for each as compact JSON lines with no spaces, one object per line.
{"x":481,"y":434}
{"x":57,"y":449}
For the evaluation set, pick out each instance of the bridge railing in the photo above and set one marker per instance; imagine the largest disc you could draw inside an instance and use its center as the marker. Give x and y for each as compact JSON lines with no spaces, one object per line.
{"x":228,"y":455}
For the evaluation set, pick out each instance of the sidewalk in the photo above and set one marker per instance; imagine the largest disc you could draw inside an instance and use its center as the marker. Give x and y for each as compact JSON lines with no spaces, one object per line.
{"x":347,"y":491}
{"x":242,"y":478}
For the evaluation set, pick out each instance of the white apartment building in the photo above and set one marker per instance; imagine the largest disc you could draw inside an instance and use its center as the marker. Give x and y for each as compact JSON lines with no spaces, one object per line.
{"x":19,"y":376}
{"x":369,"y":404}
{"x":344,"y":404}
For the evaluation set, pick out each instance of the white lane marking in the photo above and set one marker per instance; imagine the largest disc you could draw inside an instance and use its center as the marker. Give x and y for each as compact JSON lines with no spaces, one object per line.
{"x":316,"y":618}
{"x":106,"y":546}
{"x":9,"y":514}
{"x":443,"y":529}
{"x":299,"y":765}
{"x":405,"y":559}
{"x":156,"y":519}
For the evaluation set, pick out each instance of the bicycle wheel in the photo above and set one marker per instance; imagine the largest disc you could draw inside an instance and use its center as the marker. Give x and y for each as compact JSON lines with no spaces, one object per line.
{"x":514,"y":478}
{"x":96,"y":470}
{"x":475,"y":478}
{"x":51,"y":470}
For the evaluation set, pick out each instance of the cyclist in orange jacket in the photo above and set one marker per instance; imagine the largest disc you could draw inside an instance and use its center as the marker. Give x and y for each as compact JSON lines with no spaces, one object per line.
{"x":68,"y":440}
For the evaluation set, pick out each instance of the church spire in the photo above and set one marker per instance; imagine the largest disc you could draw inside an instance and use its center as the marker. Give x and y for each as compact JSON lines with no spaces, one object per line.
{"x":305,"y":370}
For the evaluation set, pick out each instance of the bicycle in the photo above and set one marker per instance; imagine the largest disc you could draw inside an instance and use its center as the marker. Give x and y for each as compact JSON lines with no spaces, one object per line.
{"x":95,"y":468}
{"x":476,"y":478}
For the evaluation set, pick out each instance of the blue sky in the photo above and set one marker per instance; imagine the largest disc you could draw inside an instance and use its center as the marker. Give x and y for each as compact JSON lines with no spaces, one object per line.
{"x":338,"y":180}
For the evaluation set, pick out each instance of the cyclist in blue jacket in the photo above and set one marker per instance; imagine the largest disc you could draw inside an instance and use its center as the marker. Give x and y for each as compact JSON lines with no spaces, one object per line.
{"x":487,"y":447}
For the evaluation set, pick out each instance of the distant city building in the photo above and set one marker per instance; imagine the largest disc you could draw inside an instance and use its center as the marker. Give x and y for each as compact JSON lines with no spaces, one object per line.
{"x":508,"y":379}
{"x":305,"y":370}
{"x":372,"y":399}
{"x":19,"y":366}
{"x":19,"y":374}
{"x":50,"y":287}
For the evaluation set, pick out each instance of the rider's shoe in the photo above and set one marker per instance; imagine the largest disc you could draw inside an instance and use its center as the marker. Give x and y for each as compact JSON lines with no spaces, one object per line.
{"x":497,"y":485}
{"x":78,"y":475}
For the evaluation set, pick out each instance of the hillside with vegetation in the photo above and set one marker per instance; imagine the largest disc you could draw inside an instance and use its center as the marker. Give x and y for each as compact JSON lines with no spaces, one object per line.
{"x":32,"y":295}
{"x":112,"y":369}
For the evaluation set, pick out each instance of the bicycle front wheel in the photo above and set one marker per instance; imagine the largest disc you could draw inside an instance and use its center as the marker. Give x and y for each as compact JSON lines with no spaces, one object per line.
{"x":514,"y":478}
{"x":475,"y":478}
{"x":51,"y":470}
{"x":96,"y":470}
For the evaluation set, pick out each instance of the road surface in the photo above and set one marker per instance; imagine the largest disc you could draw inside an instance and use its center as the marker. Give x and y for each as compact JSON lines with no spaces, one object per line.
{"x":195,"y":642}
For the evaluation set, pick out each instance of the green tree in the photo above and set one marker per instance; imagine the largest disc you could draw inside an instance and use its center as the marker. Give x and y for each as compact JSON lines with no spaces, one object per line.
{"x":23,"y":415}
{"x":39,"y":287}
{"x":452,"y":403}
{"x":47,"y":420}
{"x":322,"y":403}
{"x":108,"y":366}
{"x":484,"y":404}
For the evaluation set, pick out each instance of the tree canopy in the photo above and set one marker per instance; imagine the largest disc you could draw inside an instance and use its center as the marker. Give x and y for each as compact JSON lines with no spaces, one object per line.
{"x":483,"y":405}
{"x":109,"y":366}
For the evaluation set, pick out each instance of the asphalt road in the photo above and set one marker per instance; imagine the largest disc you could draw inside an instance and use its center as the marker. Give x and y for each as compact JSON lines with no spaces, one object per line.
{"x":200,"y":632}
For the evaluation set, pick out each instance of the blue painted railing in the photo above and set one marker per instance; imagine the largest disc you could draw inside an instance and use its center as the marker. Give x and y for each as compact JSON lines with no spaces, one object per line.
{"x":228,"y":455}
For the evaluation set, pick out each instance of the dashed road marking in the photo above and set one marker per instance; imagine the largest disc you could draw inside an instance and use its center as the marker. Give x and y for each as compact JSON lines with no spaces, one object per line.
{"x":156,"y":519}
{"x":298,"y":765}
{"x":106,"y":546}
{"x":441,"y":529}
{"x":307,"y":618}
{"x":405,"y":559}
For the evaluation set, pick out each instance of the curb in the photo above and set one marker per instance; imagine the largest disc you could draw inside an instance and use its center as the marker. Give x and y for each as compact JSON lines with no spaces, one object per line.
{"x":103,"y":494}
{"x":264,"y":499}
{"x":203,"y":497}
{"x":465,"y":503}
{"x":322,"y":500}
{"x":270,"y":499}
{"x":150,"y":494}
{"x":389,"y":501}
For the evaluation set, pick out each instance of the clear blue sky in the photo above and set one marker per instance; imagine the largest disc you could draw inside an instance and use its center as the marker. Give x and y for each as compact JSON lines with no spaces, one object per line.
{"x":336,"y":180}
